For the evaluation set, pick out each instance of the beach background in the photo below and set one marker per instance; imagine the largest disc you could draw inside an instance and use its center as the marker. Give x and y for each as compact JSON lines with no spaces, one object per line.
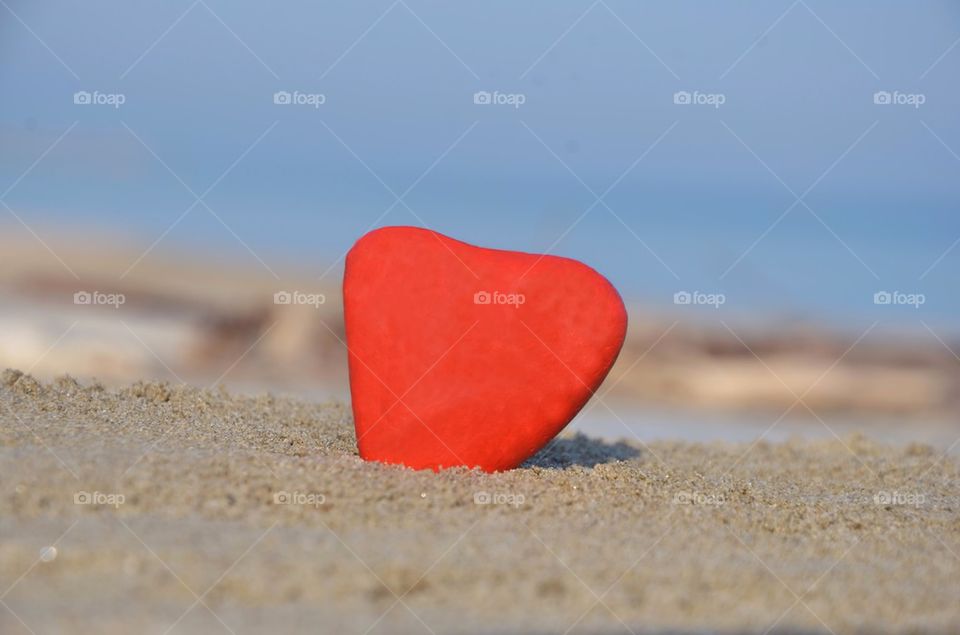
{"x":771,"y":186}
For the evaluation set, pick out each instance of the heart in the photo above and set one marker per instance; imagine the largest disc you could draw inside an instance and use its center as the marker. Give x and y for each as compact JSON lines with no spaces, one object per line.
{"x":466,"y":356}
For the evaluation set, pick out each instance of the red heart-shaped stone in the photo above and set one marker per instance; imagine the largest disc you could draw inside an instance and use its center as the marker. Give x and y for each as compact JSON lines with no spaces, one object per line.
{"x":466,"y":356}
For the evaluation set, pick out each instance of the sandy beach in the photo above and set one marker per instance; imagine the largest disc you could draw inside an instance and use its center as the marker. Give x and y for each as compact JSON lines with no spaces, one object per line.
{"x":188,"y":318}
{"x":687,"y":276}
{"x":156,"y":508}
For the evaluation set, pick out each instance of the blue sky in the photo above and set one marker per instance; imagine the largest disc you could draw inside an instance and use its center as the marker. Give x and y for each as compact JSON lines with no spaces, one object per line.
{"x":700,"y":197}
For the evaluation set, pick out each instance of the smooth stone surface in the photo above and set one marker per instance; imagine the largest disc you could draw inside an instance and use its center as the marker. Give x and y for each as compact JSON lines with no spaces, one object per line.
{"x":466,"y":356}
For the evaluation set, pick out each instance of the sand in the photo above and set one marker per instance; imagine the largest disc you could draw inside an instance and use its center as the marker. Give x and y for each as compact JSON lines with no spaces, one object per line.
{"x":205,"y":318}
{"x":173,"y":509}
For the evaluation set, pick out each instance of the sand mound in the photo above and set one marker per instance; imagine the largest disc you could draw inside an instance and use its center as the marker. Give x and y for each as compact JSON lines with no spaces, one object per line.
{"x":133,"y":510}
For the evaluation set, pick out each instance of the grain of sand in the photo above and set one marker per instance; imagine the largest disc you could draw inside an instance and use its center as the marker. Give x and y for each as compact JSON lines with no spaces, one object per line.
{"x":172,"y":509}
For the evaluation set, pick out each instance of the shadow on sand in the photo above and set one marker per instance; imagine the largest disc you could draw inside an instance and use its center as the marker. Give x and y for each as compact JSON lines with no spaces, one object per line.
{"x":564,"y":452}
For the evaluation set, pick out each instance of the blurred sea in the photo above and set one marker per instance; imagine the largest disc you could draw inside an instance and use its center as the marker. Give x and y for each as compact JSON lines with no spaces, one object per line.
{"x":800,"y":270}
